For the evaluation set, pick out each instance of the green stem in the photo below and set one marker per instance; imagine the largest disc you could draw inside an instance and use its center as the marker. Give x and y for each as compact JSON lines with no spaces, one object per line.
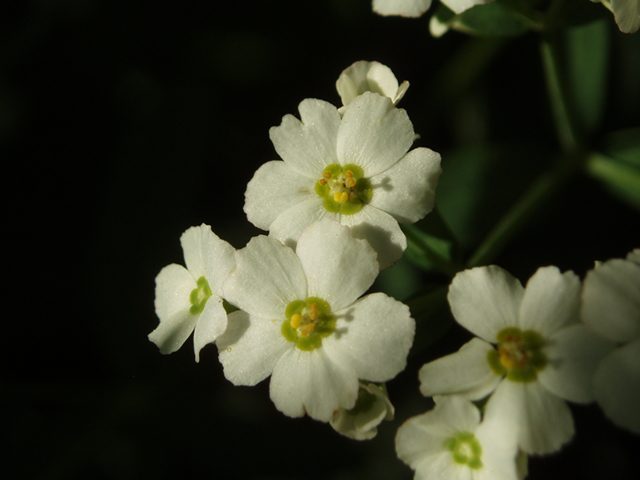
{"x":532,"y":18}
{"x":415,"y":241}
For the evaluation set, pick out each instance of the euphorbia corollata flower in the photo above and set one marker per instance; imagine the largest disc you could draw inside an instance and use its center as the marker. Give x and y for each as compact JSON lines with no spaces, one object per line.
{"x":361,"y":422}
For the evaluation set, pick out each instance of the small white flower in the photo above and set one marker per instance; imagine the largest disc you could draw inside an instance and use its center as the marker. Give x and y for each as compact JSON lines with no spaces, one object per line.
{"x":189,"y":298}
{"x":611,"y":306}
{"x":361,"y":422}
{"x":626,"y":13}
{"x":450,"y":441}
{"x":415,"y":8}
{"x":354,"y":169}
{"x":301,"y":321}
{"x":543,"y":356}
{"x":366,"y":76}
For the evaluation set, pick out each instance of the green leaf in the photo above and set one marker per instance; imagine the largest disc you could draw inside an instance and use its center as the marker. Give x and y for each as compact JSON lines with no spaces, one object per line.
{"x":491,"y":20}
{"x":586,"y":53}
{"x":431,"y":312}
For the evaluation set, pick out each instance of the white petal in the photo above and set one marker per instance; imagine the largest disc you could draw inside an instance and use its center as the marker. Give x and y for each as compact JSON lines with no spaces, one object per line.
{"x":551,"y":301}
{"x":267,"y":278}
{"x":274,"y":188}
{"x":459,"y":6}
{"x":499,"y":441}
{"x":466,"y":373}
{"x":363,"y":424}
{"x":373,"y":336}
{"x":250,"y":348}
{"x":543,"y":421}
{"x":373,"y":134}
{"x":382,"y":232}
{"x":611,"y":299}
{"x":339,"y":268}
{"x":212,"y":323}
{"x":485,"y":300}
{"x":173,"y":290}
{"x":290,"y":224}
{"x":310,"y":382}
{"x":404,"y":8}
{"x":634,"y":256}
{"x":407,"y":190}
{"x":617,"y":386}
{"x":627,"y":13}
{"x":573,"y":353}
{"x":366,"y":76}
{"x":309,"y":145}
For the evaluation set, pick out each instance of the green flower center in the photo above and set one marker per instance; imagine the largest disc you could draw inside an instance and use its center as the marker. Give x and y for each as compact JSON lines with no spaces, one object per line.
{"x":344,"y":189}
{"x":465,"y":449}
{"x":519,"y":355}
{"x":308,"y":322}
{"x":199,"y":296}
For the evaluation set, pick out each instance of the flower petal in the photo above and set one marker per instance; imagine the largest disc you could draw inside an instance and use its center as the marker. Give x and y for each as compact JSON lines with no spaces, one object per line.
{"x":366,"y":76}
{"x":617,"y":386}
{"x":407,"y":190}
{"x":274,"y":188}
{"x":459,"y":6}
{"x":404,"y":8}
{"x":250,"y":348}
{"x":551,"y":301}
{"x":267,"y":278}
{"x":573,"y":353}
{"x":338,"y":267}
{"x":373,"y":336}
{"x":310,"y":382}
{"x":382,"y":232}
{"x":543,"y":421}
{"x":290,"y":224}
{"x":611,"y":299}
{"x":627,"y":14}
{"x":308,"y":145}
{"x":174,"y":284}
{"x":484,"y":300}
{"x":205,"y":254}
{"x":373,"y":134}
{"x":466,"y":373}
{"x":212,"y":323}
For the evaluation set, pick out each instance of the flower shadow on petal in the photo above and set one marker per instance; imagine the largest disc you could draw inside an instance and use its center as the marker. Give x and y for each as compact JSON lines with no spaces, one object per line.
{"x":238,"y":324}
{"x":382,"y":184}
{"x":347,"y":317}
{"x":379,"y":239}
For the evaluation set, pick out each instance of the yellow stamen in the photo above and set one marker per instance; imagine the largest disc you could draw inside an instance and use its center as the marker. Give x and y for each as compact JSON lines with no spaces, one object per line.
{"x":313,"y":306}
{"x":349,"y":174}
{"x":344,"y":197}
{"x":307,"y":329}
{"x":351,"y":182}
{"x":322,"y":181}
{"x":336,"y":196}
{"x":313,"y":314}
{"x":296,"y":318}
{"x":326,"y":175}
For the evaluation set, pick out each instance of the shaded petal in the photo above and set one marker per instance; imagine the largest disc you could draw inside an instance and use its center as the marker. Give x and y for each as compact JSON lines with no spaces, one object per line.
{"x":627,"y":14}
{"x":611,"y":299}
{"x":551,"y":301}
{"x":338,"y":267}
{"x":250,"y":348}
{"x":309,"y":382}
{"x":308,"y":146}
{"x":485,"y":300}
{"x":366,"y":76}
{"x":499,"y":441}
{"x":573,"y":354}
{"x":362,"y":423}
{"x":373,"y":336}
{"x":290,"y":224}
{"x":543,"y":421}
{"x":617,"y":386}
{"x":267,"y":278}
{"x":382,"y":232}
{"x":466,"y":373}
{"x":274,"y":188}
{"x":212,"y":323}
{"x":407,"y":190}
{"x":404,"y":8}
{"x":373,"y":134}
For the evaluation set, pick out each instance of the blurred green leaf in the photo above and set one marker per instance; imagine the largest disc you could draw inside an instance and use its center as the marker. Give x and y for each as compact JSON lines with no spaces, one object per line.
{"x":433,"y":317}
{"x":491,"y":20}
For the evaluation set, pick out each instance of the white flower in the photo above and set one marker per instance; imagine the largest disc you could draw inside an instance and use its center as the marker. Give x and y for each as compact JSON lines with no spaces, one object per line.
{"x":302,"y":323}
{"x":611,"y":306}
{"x":361,"y":422}
{"x":450,"y":442}
{"x":366,"y":76}
{"x":189,"y":298}
{"x":626,"y":13}
{"x":544,"y":355}
{"x":415,"y":8}
{"x":354,"y":169}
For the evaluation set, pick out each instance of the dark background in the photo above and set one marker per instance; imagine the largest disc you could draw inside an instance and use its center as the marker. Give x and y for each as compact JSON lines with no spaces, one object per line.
{"x":124,"y":123}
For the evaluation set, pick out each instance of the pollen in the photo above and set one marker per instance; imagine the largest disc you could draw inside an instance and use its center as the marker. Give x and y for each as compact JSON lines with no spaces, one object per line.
{"x":344,"y":197}
{"x":348,"y":174}
{"x":296,"y":320}
{"x":351,"y":182}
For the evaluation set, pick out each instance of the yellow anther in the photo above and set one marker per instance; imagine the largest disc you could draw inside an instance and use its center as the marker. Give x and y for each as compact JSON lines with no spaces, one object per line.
{"x":322,"y":181}
{"x":296,"y":319}
{"x":313,"y":314}
{"x":351,"y":182}
{"x":349,"y":174}
{"x":326,"y":175}
{"x":307,"y":329}
{"x":344,"y":197}
{"x":313,"y":306}
{"x":336,"y":196}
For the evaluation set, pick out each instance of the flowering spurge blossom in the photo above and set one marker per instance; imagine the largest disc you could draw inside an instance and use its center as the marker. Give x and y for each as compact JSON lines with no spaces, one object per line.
{"x":301,"y":321}
{"x":626,"y":13}
{"x":450,"y":442}
{"x":611,"y":306}
{"x":190,"y":298}
{"x":415,"y":8}
{"x":361,"y":422}
{"x":366,"y":76}
{"x":354,"y":169}
{"x":542,"y":356}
